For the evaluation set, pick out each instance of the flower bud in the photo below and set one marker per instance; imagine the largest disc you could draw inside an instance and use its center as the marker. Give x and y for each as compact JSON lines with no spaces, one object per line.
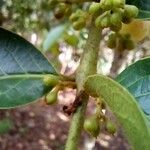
{"x":118,"y":3}
{"x":115,"y":18}
{"x":76,"y":15}
{"x":131,"y":11}
{"x":106,"y":4}
{"x":51,"y":97}
{"x":95,"y":8}
{"x":51,"y":80}
{"x":110,"y":127}
{"x":103,"y":21}
{"x":92,"y":126}
{"x":81,"y":23}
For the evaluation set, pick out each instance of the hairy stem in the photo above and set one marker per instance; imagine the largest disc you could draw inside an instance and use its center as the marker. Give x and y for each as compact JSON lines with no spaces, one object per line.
{"x":87,"y":67}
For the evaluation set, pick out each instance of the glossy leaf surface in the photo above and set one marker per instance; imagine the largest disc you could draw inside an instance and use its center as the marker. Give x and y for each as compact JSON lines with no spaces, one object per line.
{"x":125,"y":108}
{"x":22,"y":68}
{"x":136,"y":78}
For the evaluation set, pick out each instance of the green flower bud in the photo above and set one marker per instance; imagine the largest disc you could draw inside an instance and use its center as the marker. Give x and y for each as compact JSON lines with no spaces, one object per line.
{"x":92,"y":126}
{"x":103,"y":21}
{"x":81,"y":23}
{"x":51,"y":97}
{"x":118,"y":3}
{"x":95,"y":9}
{"x":110,"y":127}
{"x":51,"y":80}
{"x":115,"y":18}
{"x":106,"y":4}
{"x":131,"y":11}
{"x":111,"y":43}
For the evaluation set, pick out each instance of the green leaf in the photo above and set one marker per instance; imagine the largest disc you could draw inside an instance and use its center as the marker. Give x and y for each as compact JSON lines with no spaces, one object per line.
{"x":53,"y":36}
{"x":22,"y":68}
{"x":144,"y":15}
{"x":124,"y":106}
{"x":144,"y":7}
{"x":136,"y":78}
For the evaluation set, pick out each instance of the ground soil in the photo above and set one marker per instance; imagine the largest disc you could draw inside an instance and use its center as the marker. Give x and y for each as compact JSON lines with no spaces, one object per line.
{"x":41,"y":127}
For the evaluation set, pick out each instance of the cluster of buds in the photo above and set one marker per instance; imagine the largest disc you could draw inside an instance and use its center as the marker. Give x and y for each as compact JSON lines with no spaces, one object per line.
{"x":112,"y":13}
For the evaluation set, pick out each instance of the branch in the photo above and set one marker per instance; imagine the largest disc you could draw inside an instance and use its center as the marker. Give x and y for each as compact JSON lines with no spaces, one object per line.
{"x":88,"y":66}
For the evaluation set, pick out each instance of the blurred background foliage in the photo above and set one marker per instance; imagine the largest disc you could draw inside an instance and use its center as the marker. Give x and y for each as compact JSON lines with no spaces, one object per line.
{"x":36,"y":21}
{"x":41,"y":23}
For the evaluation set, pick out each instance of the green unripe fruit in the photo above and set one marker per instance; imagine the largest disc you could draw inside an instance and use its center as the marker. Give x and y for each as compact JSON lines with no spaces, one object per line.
{"x":106,"y":4}
{"x":95,"y":9}
{"x":118,"y":3}
{"x":111,"y":43}
{"x":115,"y":18}
{"x":131,"y":11}
{"x":51,"y":80}
{"x":51,"y":97}
{"x":72,"y":40}
{"x":60,"y":11}
{"x":103,"y":21}
{"x":110,"y":127}
{"x":92,"y":126}
{"x":81,"y":23}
